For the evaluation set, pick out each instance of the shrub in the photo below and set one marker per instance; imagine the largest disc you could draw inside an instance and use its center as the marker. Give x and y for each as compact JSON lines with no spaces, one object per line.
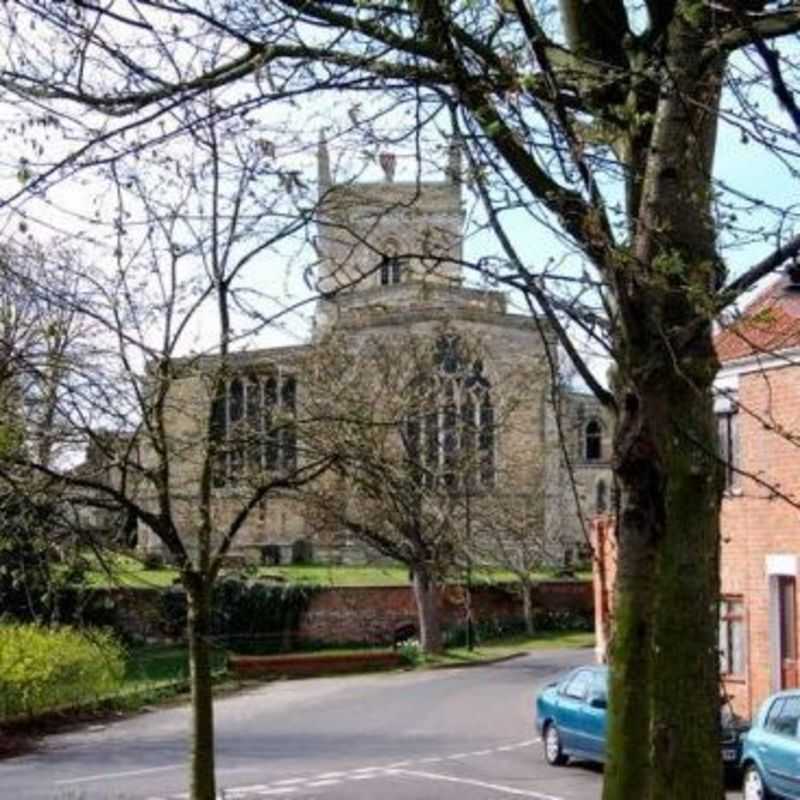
{"x":249,"y":617}
{"x":411,"y":651}
{"x":47,"y":668}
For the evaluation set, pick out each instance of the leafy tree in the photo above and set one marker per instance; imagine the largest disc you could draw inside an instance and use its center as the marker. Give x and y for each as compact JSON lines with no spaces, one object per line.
{"x":39,"y":340}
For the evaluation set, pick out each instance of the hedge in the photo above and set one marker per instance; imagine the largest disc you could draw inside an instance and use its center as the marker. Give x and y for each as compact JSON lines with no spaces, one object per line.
{"x":43,"y":669}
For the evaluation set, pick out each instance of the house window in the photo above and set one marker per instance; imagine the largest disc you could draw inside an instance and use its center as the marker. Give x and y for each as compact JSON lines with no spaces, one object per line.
{"x":252,"y":426}
{"x":593,"y":441}
{"x":450,"y":441}
{"x":731,"y":637}
{"x":728,"y":444}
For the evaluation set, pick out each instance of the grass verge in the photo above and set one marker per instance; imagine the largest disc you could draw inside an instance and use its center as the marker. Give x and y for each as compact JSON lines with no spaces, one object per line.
{"x":508,"y":646}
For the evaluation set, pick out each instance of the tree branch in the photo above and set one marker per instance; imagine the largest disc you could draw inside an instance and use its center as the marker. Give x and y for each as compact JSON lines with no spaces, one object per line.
{"x":754,"y":274}
{"x":771,"y":26}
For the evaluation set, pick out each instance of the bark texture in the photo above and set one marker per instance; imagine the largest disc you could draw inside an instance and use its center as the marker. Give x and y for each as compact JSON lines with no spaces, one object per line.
{"x":663,"y":730}
{"x":426,"y":595}
{"x":201,"y":766}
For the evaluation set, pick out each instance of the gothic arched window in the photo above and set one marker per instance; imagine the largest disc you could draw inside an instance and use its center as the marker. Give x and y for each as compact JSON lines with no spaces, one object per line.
{"x":450,"y":440}
{"x":593,"y":441}
{"x":252,"y":426}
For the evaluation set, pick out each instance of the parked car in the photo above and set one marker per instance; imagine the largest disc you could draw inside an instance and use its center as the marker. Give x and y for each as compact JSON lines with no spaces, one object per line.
{"x":571,"y":718}
{"x":771,"y":751}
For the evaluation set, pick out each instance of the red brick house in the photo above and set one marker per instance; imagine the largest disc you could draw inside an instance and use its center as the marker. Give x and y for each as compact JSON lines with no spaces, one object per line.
{"x":758,"y":411}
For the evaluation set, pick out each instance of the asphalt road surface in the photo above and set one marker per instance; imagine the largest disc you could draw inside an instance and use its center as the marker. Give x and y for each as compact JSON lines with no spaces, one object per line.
{"x":456,"y":734}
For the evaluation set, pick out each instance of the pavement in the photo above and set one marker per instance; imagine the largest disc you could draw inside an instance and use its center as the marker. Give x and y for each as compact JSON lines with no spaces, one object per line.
{"x":451,"y":734}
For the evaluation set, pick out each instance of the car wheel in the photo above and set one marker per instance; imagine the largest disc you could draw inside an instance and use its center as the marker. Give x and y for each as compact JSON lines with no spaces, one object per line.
{"x":552,"y":746}
{"x":753,"y":784}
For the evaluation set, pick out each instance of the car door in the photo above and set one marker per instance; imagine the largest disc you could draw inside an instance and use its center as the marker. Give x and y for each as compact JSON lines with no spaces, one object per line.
{"x":779,"y":747}
{"x":571,"y":702}
{"x":594,"y":716}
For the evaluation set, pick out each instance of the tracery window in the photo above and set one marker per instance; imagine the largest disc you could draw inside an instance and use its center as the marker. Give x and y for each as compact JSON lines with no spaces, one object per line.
{"x":593,"y":441}
{"x":253,"y":426}
{"x":450,"y":440}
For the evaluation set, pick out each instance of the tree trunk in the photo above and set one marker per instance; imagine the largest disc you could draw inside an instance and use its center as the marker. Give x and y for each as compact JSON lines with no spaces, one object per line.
{"x":527,"y":608}
{"x":663,"y":736}
{"x":201,"y":767}
{"x":426,"y":595}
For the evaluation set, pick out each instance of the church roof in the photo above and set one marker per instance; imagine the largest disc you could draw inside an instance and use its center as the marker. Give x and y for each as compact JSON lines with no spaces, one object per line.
{"x":770,"y":322}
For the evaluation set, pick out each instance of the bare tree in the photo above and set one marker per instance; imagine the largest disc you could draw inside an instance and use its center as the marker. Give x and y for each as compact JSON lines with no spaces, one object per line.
{"x":597,"y":122}
{"x":404,"y":449}
{"x":173,"y":447}
{"x":508,"y":532}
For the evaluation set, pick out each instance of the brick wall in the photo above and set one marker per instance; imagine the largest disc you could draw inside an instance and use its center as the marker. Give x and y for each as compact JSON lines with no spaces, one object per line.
{"x":371,"y":614}
{"x":364,"y":614}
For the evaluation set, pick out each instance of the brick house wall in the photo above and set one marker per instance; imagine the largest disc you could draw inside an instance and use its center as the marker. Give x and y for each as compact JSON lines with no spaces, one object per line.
{"x":757,"y":390}
{"x":760,"y":530}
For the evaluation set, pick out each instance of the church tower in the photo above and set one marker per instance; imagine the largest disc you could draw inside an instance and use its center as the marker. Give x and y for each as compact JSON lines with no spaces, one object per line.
{"x":382,"y":244}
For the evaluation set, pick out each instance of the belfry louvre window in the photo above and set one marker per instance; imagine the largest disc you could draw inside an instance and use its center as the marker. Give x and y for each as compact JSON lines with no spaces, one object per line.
{"x":253,"y":426}
{"x":450,"y":439}
{"x":391,"y":270}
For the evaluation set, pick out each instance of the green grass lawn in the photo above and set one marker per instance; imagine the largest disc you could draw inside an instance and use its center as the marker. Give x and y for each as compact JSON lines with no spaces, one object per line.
{"x":163,"y":664}
{"x":129,"y":572}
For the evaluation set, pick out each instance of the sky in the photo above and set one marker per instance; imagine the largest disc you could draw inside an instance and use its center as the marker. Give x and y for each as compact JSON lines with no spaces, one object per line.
{"x":80,"y":208}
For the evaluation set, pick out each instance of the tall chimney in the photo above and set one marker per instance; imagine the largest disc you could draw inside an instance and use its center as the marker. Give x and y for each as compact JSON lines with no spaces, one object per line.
{"x":323,"y":165}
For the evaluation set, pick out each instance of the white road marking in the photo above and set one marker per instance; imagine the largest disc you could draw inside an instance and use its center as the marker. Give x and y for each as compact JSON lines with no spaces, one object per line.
{"x":111,"y":775}
{"x":290,"y":785}
{"x":481,"y":785}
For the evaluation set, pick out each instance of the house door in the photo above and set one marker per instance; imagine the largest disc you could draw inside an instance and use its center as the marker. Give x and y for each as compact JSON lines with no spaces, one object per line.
{"x":787,"y":621}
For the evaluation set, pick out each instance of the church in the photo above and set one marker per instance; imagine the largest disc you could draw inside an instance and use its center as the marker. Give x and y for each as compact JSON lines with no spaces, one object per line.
{"x":390,"y":273}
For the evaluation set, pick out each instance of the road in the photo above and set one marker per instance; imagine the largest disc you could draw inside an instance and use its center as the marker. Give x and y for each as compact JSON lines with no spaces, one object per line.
{"x":456,"y":734}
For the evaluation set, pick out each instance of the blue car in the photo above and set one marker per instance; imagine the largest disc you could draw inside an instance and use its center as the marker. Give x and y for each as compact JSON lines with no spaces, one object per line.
{"x":771,"y":752}
{"x":571,"y":718}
